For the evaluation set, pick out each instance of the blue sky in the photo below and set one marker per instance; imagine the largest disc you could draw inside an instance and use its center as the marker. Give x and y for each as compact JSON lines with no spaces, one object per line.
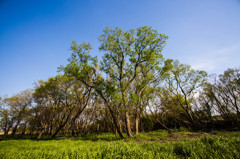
{"x":35,"y":36}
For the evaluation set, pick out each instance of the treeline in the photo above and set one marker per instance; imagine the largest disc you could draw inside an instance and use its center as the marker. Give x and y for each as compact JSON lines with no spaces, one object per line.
{"x":131,"y":89}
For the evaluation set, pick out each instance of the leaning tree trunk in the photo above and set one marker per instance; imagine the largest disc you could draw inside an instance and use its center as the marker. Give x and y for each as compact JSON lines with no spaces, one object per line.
{"x":115,"y":122}
{"x":61,"y":125}
{"x":15,"y":128}
{"x":112,"y":114}
{"x":7,"y":129}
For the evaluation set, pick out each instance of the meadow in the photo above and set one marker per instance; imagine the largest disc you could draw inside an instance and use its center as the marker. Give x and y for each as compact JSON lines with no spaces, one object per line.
{"x":156,"y":144}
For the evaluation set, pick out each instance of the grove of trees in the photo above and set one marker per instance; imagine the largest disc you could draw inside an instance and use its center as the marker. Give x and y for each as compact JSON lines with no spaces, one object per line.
{"x":132,"y":88}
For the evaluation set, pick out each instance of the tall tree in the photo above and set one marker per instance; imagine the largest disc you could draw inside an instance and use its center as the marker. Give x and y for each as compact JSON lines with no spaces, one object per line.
{"x":126,"y":53}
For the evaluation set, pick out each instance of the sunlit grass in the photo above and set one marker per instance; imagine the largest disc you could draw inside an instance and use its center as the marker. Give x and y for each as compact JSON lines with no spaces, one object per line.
{"x":157,"y":144}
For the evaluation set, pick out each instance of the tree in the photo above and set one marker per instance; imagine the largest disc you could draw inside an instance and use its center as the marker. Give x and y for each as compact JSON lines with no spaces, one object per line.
{"x":185,"y":82}
{"x":223,"y":93}
{"x":229,"y":86}
{"x":17,"y":109}
{"x":206,"y":103}
{"x":5,"y":120}
{"x":62,"y":100}
{"x":127,"y":53}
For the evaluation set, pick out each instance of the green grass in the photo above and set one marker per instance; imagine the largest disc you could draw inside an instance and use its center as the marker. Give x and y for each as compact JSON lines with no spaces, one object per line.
{"x":157,"y":144}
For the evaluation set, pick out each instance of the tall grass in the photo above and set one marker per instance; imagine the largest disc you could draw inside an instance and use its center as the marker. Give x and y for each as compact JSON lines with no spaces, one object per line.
{"x":104,"y":146}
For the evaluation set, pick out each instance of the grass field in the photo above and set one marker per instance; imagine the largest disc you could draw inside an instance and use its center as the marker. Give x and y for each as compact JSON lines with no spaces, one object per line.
{"x":157,"y":144}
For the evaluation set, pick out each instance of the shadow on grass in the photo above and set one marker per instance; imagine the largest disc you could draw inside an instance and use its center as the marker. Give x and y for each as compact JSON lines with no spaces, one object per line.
{"x":158,"y":136}
{"x":97,"y":137}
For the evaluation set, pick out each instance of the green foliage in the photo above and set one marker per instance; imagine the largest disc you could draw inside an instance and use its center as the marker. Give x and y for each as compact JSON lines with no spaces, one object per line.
{"x":131,"y":62}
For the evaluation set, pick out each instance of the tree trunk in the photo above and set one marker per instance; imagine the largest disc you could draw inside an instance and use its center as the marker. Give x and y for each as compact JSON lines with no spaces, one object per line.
{"x":14,"y":130}
{"x":73,"y":132}
{"x":115,"y":122}
{"x":39,"y":135}
{"x":141,"y":125}
{"x":7,"y":129}
{"x":6,"y":132}
{"x":128,"y":124}
{"x":116,"y":132}
{"x":120,"y":126}
{"x":24,"y":130}
{"x":163,"y":125}
{"x":61,"y":126}
{"x":137,"y":124}
{"x":98,"y":128}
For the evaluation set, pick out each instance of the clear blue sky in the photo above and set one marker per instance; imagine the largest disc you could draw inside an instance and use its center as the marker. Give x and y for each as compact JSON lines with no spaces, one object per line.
{"x":35,"y":35}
